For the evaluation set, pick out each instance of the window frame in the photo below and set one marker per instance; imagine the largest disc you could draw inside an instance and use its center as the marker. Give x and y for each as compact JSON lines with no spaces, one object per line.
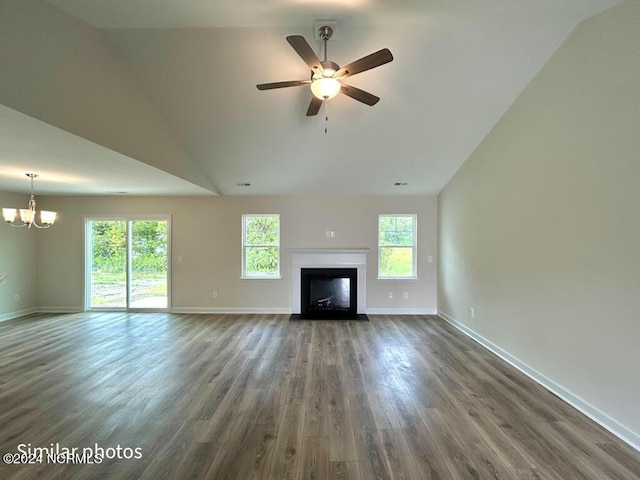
{"x":413,"y":246}
{"x":244,"y":274}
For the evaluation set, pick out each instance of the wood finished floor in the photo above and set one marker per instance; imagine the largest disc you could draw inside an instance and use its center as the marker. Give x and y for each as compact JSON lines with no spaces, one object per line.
{"x":259,"y":397}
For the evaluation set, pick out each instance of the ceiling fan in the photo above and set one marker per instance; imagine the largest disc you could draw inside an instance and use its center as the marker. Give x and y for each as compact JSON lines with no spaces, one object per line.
{"x":326,"y":76}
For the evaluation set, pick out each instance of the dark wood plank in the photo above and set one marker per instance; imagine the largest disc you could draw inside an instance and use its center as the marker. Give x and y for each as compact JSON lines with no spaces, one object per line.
{"x":344,"y":471}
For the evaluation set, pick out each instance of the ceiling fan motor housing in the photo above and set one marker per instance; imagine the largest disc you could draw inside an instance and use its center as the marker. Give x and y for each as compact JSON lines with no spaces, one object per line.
{"x":329,"y":68}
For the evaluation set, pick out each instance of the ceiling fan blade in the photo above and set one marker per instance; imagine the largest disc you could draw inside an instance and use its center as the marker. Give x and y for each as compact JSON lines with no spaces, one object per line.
{"x":293,"y":83}
{"x":365,"y":63}
{"x":314,"y":107}
{"x":360,"y":95}
{"x":307,"y":54}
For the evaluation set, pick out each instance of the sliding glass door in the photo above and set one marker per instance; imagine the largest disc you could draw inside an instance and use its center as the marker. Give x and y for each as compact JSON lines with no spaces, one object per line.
{"x":127,"y":263}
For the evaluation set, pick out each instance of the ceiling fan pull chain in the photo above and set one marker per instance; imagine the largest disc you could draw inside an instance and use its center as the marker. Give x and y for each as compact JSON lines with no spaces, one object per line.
{"x":326,"y":114}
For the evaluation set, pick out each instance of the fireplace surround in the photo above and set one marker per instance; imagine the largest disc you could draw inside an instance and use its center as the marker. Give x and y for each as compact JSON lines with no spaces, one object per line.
{"x":334,"y":263}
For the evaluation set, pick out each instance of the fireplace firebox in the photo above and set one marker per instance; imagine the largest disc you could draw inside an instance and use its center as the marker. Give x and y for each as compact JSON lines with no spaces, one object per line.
{"x":329,"y":293}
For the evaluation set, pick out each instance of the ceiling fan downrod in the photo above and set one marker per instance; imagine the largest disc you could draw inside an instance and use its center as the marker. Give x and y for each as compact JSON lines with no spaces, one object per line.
{"x":325,"y":34}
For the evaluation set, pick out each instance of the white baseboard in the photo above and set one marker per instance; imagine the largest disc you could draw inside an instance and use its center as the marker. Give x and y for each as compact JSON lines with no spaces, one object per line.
{"x":619,"y":430}
{"x":59,"y":309}
{"x":17,"y":314}
{"x":235,"y":310}
{"x":401,"y":311}
{"x":29,"y":311}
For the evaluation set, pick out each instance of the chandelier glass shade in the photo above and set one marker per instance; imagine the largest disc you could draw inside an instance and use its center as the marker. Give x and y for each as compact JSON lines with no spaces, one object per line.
{"x":28,"y":215}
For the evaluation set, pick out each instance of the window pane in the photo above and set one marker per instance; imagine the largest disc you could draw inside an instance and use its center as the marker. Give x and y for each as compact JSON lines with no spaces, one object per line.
{"x":261,"y":245}
{"x":405,"y":239}
{"x":396,"y":230}
{"x":387,"y":223}
{"x":396,"y":261}
{"x":261,"y":261}
{"x":388,"y":238}
{"x":149,"y":264}
{"x":261,"y":230}
{"x":404,"y":224}
{"x":396,"y":245}
{"x":108,"y":283}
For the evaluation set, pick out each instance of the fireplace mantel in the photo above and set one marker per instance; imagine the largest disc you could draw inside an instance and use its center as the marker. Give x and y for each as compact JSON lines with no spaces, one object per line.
{"x":328,"y":258}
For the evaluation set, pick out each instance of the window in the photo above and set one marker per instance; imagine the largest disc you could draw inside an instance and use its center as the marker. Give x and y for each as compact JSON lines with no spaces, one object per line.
{"x":261,"y":246}
{"x":397,"y":246}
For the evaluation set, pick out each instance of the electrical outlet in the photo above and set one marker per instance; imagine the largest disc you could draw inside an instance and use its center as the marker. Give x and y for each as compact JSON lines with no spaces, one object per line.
{"x":16,"y":297}
{"x":405,"y":295}
{"x":430,"y":259}
{"x":390,"y":294}
{"x":472,"y":312}
{"x":214,"y":294}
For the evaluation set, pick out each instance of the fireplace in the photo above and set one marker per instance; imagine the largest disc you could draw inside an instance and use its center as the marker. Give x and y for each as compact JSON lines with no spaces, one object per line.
{"x":332,"y":260}
{"x":329,"y":293}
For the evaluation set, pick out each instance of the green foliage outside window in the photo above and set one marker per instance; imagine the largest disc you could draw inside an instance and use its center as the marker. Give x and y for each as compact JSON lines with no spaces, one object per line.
{"x":396,"y":262}
{"x":149,"y":246}
{"x":148,"y":249}
{"x":261,"y":245}
{"x":396,"y":245}
{"x":109,"y":246}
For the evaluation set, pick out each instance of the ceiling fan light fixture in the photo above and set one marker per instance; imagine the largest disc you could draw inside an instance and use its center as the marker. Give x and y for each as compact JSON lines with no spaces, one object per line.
{"x":325,"y":88}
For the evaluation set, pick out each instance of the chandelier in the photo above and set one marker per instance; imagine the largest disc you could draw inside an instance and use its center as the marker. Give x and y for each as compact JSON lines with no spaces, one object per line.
{"x":28,"y":215}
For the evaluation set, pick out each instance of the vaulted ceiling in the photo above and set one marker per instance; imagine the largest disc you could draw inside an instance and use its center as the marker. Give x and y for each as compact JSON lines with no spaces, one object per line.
{"x":158,"y":97}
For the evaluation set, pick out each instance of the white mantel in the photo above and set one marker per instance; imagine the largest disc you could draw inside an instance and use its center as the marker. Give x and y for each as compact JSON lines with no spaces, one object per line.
{"x":328,"y":258}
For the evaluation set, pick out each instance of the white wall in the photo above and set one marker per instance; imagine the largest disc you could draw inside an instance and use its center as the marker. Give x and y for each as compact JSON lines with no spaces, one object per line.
{"x":17,"y":261}
{"x":540,"y":229}
{"x":207,"y":232}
